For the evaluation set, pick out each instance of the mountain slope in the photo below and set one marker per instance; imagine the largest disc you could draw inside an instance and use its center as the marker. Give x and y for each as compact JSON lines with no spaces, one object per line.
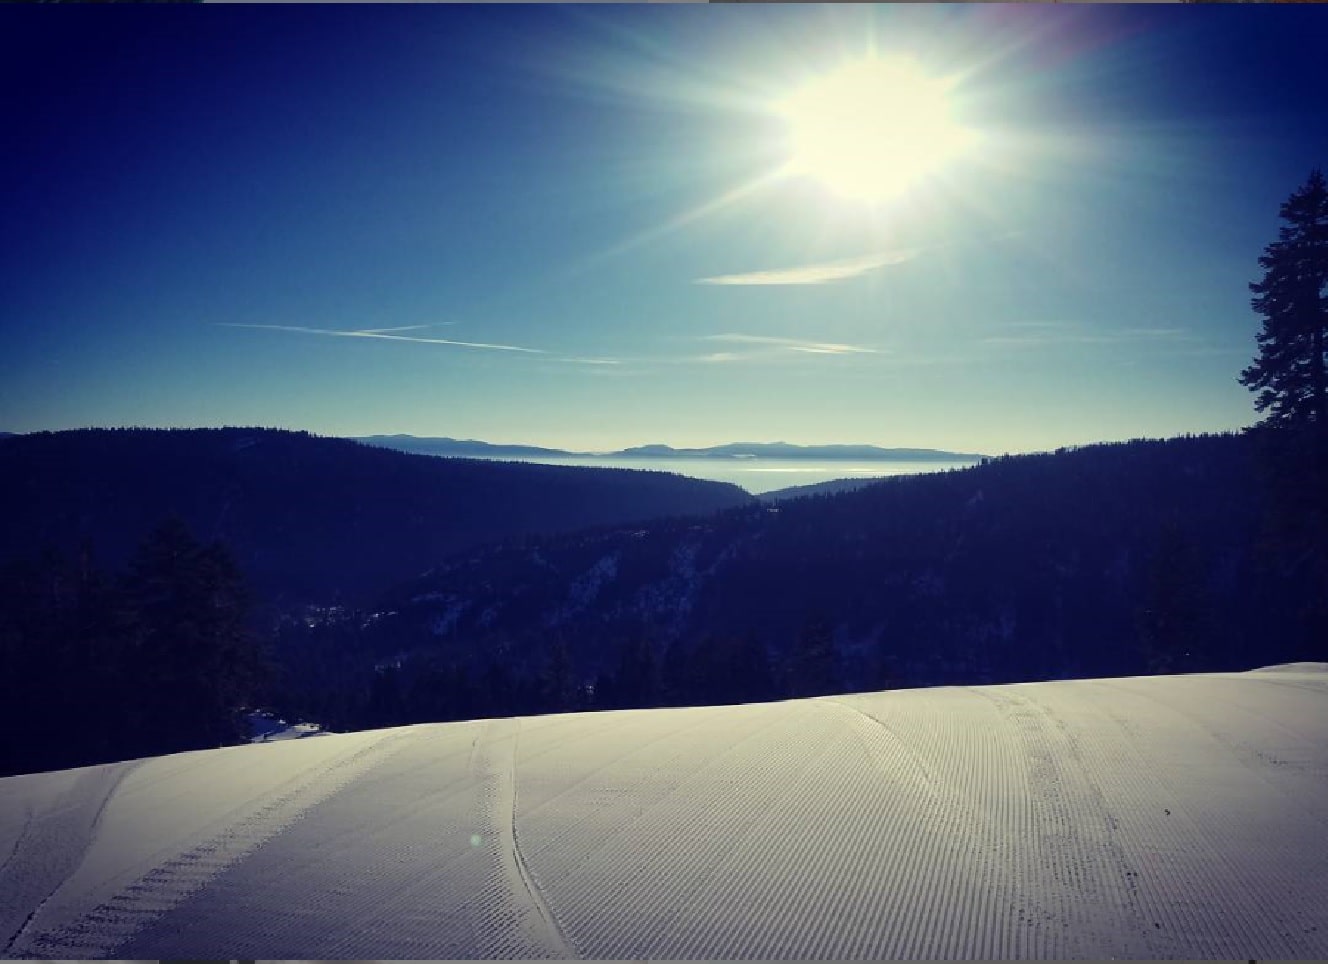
{"x":1143,"y":818}
{"x":1021,"y":568}
{"x":463,"y":448}
{"x":308,"y":516}
{"x":829,"y":487}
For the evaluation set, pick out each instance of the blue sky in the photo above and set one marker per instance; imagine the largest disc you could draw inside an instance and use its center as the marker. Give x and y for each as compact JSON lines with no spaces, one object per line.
{"x":577,"y":226}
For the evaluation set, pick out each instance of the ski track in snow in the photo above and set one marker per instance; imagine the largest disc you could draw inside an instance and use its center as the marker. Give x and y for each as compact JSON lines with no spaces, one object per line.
{"x":102,"y":929}
{"x":430,"y":869}
{"x":51,"y":844}
{"x":1148,"y":817}
{"x":544,"y":934}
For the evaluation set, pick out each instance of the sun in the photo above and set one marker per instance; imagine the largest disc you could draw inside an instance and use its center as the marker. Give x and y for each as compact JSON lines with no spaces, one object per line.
{"x":872,"y":130}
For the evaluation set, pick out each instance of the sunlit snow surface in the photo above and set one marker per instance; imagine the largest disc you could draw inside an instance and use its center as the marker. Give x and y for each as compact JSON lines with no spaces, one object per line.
{"x":1147,"y":817}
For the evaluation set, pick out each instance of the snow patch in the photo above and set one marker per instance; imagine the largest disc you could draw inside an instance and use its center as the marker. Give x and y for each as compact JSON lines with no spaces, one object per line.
{"x":445,"y":622}
{"x":266,"y":728}
{"x":586,"y":588}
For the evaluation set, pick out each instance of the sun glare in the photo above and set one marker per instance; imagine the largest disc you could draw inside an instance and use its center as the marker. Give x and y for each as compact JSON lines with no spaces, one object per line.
{"x":873,"y":129}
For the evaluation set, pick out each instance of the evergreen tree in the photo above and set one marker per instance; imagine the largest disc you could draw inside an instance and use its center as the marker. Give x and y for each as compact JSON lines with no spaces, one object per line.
{"x":733,"y":668}
{"x":558,"y":691}
{"x":888,"y":670}
{"x":35,"y":599}
{"x":679,"y":676}
{"x":190,"y":652}
{"x":636,"y":683}
{"x":752,"y":679}
{"x":1290,"y":376}
{"x":495,"y":690}
{"x":1289,"y":373}
{"x":386,"y":703}
{"x":97,"y":684}
{"x":719,"y":669}
{"x":1175,"y":628}
{"x":813,"y":667}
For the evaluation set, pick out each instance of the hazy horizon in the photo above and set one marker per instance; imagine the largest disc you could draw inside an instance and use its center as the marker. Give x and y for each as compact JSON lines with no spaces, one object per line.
{"x":628,"y":445}
{"x":974,"y":228}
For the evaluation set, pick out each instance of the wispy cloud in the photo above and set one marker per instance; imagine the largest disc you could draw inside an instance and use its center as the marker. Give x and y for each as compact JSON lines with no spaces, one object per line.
{"x":815,"y":274}
{"x":384,"y":331}
{"x":386,"y":334}
{"x":791,"y":344}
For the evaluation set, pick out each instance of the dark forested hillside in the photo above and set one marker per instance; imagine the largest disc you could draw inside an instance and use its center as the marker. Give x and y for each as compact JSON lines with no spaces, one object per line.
{"x":101,"y":666}
{"x":1132,"y":558}
{"x":306,"y":517}
{"x":1112,"y":559}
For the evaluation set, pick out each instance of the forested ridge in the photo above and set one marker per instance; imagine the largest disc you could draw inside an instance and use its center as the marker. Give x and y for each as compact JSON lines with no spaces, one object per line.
{"x":1140,"y":557}
{"x":1131,"y":558}
{"x":307,"y":518}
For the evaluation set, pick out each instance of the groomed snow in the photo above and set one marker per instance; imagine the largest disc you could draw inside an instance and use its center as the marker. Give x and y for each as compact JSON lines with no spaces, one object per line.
{"x":1148,"y":817}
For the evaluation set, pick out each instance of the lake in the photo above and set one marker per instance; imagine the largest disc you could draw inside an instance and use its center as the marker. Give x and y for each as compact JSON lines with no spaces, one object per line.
{"x":757,"y":475}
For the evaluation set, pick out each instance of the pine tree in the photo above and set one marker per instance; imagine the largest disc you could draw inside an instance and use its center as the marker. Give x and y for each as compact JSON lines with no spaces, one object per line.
{"x":753,"y":681}
{"x":679,"y":674}
{"x":191,"y":655}
{"x":386,"y":702}
{"x":558,"y":692}
{"x":1291,"y":378}
{"x":813,"y":667}
{"x":718,"y":669}
{"x":636,"y":683}
{"x":1175,"y":627}
{"x":1289,"y":373}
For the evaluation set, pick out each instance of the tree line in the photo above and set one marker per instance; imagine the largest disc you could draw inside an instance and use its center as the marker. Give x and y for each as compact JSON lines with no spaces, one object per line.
{"x":309,"y":518}
{"x":336,"y":679}
{"x":103,"y":666}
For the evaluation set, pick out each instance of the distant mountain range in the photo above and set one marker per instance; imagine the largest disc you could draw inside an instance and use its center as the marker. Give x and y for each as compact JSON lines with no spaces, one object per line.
{"x":734,"y":450}
{"x":463,"y":448}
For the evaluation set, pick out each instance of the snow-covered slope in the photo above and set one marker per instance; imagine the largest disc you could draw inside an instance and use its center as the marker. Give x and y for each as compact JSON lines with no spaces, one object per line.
{"x":1148,"y":817}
